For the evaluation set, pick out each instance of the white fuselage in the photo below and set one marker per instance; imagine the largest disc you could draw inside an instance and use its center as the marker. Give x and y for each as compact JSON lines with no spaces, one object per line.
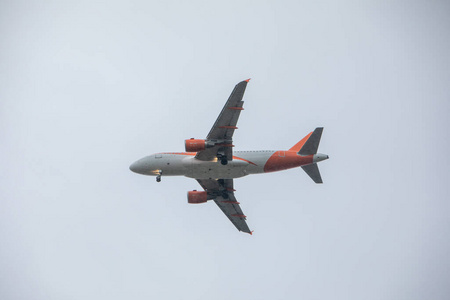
{"x":185,"y":164}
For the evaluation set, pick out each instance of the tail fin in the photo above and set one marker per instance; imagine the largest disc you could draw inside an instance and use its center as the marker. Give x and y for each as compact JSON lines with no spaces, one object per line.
{"x":312,"y":144}
{"x":308,"y":146}
{"x":300,"y":144}
{"x":313,"y":171}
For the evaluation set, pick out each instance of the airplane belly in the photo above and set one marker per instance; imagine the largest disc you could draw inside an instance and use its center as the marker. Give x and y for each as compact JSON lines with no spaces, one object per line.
{"x":170,"y":165}
{"x":256,"y":159}
{"x":214,"y":170}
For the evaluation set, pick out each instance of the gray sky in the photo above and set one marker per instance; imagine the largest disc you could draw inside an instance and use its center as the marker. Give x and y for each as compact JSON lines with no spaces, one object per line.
{"x":88,"y":87}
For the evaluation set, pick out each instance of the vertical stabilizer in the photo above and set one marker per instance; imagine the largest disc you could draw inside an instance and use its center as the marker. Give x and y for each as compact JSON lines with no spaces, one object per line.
{"x":312,"y":144}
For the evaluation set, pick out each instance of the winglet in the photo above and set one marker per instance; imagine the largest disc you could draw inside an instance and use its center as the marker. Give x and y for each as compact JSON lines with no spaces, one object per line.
{"x":251,"y":232}
{"x":247,"y":80}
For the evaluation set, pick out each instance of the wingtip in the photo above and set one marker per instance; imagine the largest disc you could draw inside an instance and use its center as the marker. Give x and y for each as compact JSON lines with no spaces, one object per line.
{"x":251,"y":232}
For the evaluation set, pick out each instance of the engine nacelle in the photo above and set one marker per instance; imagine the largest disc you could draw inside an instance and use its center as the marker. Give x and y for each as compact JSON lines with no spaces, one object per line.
{"x":193,"y":145}
{"x":196,"y":197}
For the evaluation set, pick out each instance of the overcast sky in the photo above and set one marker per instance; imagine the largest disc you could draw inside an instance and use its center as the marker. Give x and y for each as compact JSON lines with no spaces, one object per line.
{"x":88,"y":87}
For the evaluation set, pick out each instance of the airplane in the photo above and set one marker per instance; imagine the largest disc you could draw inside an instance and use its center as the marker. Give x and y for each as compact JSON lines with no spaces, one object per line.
{"x":214,"y":164}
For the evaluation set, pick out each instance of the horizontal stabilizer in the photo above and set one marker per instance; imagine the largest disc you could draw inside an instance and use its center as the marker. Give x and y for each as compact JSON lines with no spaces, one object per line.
{"x":312,"y":144}
{"x":313,"y":171}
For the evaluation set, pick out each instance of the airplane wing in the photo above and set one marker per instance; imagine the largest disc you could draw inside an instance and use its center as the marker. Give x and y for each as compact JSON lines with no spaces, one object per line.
{"x":223,"y":129}
{"x":223,"y":194}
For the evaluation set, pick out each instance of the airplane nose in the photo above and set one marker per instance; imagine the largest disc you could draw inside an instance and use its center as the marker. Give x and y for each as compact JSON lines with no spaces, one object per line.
{"x":133,"y":167}
{"x":137,"y":167}
{"x":143,"y":166}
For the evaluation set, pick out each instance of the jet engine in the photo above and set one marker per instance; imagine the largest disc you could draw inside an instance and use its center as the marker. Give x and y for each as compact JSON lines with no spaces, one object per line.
{"x":196,"y":197}
{"x":194,"y":145}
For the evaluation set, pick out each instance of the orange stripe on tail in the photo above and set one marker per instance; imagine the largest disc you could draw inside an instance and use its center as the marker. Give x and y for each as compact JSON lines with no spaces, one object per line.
{"x":283,"y":160}
{"x":300,"y":144}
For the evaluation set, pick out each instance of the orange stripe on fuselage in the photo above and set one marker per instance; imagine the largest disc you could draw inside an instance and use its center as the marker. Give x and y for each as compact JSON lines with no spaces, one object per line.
{"x":239,"y":158}
{"x":194,"y":153}
{"x":290,"y":159}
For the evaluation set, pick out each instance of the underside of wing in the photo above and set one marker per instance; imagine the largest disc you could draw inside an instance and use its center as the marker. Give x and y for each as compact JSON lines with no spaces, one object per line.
{"x":233,"y":211}
{"x":222,"y":192}
{"x":223,"y":129}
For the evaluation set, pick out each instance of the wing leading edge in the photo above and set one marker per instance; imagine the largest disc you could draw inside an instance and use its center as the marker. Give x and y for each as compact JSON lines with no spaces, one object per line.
{"x":222,"y":192}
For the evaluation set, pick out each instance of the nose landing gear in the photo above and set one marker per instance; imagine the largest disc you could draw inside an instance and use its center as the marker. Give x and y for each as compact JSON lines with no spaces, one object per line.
{"x":158,"y":177}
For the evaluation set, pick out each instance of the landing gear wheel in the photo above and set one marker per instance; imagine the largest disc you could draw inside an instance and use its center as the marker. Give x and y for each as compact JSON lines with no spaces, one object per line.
{"x":224,"y":161}
{"x":158,"y":177}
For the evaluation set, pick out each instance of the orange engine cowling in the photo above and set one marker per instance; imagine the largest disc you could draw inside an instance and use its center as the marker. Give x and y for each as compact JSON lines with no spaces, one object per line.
{"x":196,"y":197}
{"x":193,"y":145}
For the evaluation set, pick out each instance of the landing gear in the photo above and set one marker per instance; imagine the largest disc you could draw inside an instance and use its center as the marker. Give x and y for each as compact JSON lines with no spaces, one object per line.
{"x":223,"y":159}
{"x":158,"y":177}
